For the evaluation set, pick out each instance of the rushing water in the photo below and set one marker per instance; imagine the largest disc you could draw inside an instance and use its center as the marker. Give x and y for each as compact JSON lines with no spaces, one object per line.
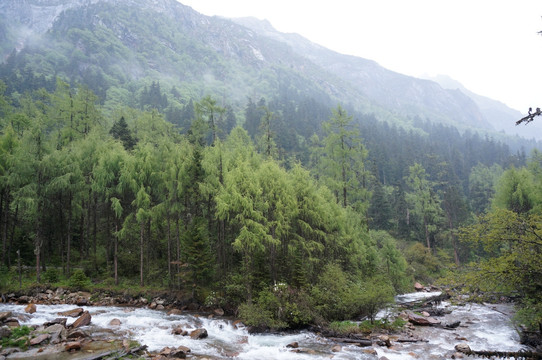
{"x":483,"y":327}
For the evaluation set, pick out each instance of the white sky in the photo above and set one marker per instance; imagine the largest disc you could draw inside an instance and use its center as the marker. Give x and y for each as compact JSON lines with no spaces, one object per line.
{"x":491,"y":46}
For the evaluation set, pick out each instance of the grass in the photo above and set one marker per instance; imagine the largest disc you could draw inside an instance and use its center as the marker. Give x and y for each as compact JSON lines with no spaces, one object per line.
{"x":366,"y":327}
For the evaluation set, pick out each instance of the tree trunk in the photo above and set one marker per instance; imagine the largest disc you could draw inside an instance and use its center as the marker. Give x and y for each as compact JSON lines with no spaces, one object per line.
{"x":141,"y":249}
{"x":69,"y":237}
{"x":115,"y":253}
{"x":170,"y":275}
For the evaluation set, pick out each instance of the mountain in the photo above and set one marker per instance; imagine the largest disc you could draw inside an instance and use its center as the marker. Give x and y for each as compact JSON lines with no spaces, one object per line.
{"x":501,"y":116}
{"x":117,"y":47}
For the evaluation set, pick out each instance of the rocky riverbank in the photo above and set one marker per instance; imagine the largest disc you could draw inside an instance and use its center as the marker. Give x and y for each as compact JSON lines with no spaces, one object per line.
{"x":106,"y":331}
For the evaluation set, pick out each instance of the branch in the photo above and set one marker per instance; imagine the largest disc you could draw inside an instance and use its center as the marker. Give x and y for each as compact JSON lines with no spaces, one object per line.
{"x":527,"y":119}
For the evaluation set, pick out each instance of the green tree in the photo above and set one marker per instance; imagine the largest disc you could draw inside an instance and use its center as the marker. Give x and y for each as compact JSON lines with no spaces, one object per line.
{"x":515,"y":191}
{"x":423,"y":201}
{"x":342,"y":161}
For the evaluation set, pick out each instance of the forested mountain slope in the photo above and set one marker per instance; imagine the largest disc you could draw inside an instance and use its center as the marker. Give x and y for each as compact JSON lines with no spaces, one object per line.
{"x":117,"y":47}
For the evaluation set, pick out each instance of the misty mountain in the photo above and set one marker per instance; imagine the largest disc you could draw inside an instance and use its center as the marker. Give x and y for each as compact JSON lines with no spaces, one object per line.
{"x":501,"y":116}
{"x":117,"y":47}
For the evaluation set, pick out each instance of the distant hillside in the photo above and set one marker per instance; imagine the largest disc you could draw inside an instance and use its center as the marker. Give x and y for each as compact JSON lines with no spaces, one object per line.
{"x":501,"y":116}
{"x":118,"y":47}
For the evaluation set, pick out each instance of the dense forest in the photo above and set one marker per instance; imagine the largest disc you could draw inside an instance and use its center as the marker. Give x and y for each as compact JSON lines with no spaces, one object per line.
{"x":260,"y":211}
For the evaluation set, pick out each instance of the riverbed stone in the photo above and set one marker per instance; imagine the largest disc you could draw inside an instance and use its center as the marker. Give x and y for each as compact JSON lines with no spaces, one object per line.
{"x":77,"y":334}
{"x":421,"y":320}
{"x":175,"y":312}
{"x":72,"y":346}
{"x":57,"y":332}
{"x":463,"y":348}
{"x":72,"y":313}
{"x":39,"y":339}
{"x":5,"y":331}
{"x":83,"y":320}
{"x":418,"y":286}
{"x":61,"y":321}
{"x":178,"y":330}
{"x":115,"y":322}
{"x":336,"y":348}
{"x":30,"y":308}
{"x":218,"y":312}
{"x":199,"y":334}
{"x":4,"y":315}
{"x":293,"y":345}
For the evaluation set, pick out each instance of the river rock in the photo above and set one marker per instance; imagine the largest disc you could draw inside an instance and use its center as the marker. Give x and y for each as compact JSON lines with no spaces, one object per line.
{"x":57,"y":332}
{"x":12,"y":323}
{"x":421,"y":320}
{"x":61,"y":321}
{"x":218,"y":312}
{"x":83,"y":320}
{"x":293,"y":345}
{"x":4,"y":315}
{"x":370,"y":352}
{"x":199,"y":334}
{"x":178,"y":330}
{"x":171,"y":352}
{"x":336,"y":348}
{"x":457,"y":355}
{"x":73,"y":345}
{"x":115,"y":322}
{"x":77,"y":334}
{"x":418,"y":286}
{"x":30,"y":308}
{"x":39,"y":339}
{"x":425,"y":313}
{"x":463,"y":348}
{"x":72,"y":313}
{"x":385,"y":339}
{"x":5,"y":332}
{"x":453,"y":325}
{"x":175,"y":312}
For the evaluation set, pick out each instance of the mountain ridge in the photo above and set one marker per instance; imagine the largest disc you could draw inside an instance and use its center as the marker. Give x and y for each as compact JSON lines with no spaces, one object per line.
{"x":227,"y":56}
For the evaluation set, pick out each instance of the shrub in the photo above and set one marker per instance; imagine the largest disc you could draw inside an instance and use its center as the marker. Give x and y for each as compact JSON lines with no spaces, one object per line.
{"x":79,"y":280}
{"x":51,"y":275}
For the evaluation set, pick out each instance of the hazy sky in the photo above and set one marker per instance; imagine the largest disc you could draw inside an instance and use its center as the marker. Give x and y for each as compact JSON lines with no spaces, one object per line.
{"x":491,"y":46}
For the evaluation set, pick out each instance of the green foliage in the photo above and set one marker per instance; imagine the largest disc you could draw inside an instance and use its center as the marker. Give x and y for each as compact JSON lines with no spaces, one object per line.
{"x":374,"y":295}
{"x":529,"y":314}
{"x":422,"y":265}
{"x":52,"y":275}
{"x":79,"y":280}
{"x":334,"y":295}
{"x":19,"y":338}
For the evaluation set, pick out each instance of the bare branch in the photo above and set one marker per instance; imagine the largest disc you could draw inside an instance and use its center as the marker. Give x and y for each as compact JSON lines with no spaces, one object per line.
{"x":527,"y":119}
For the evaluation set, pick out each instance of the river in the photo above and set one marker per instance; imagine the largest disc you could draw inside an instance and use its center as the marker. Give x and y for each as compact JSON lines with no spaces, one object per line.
{"x":483,"y":327}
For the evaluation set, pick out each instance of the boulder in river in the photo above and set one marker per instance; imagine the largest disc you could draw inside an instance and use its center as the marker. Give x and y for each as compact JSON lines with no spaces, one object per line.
{"x":115,"y":322}
{"x":418,"y":286}
{"x":30,"y":308}
{"x":463,"y":348}
{"x":5,"y":332}
{"x":57,"y":331}
{"x":4,"y":315}
{"x":83,"y":320}
{"x":73,"y":346}
{"x":72,"y":313}
{"x":422,"y":320}
{"x":39,"y":339}
{"x":199,"y":334}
